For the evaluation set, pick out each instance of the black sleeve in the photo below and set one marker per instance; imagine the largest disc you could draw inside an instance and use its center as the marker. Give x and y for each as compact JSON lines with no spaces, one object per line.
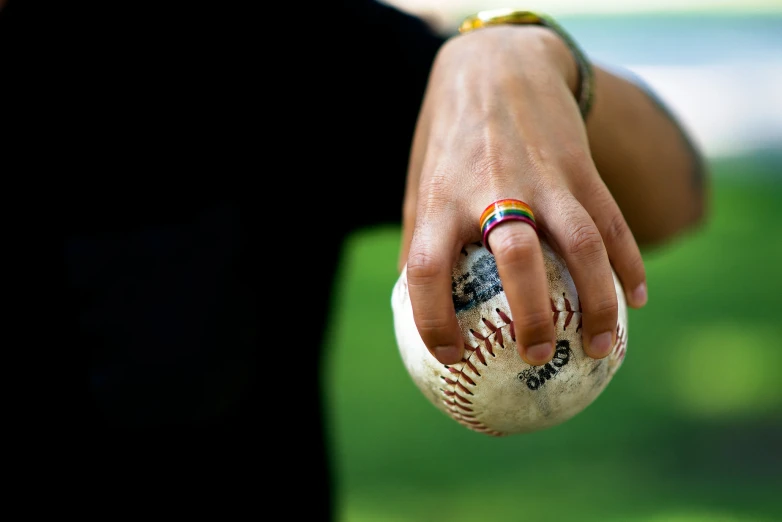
{"x":387,"y":58}
{"x":312,"y":98}
{"x":394,"y":40}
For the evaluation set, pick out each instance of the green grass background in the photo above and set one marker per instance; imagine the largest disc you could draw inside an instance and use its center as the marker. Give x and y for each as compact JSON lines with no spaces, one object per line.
{"x":690,"y":428}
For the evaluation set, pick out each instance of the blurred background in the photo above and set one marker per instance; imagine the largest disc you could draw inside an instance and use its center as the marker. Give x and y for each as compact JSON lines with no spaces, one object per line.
{"x":690,"y":428}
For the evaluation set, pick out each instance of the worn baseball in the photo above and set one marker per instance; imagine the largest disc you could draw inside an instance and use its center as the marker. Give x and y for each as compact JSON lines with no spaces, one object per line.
{"x":492,"y":390}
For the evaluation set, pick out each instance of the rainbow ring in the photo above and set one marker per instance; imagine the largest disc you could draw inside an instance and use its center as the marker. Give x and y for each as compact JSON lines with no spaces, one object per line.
{"x":505,"y":210}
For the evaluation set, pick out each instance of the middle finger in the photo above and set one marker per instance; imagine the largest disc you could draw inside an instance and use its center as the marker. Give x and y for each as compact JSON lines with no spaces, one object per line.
{"x":519,"y":257}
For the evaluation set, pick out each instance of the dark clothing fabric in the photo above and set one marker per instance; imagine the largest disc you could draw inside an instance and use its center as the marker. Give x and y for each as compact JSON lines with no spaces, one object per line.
{"x":210,"y":158}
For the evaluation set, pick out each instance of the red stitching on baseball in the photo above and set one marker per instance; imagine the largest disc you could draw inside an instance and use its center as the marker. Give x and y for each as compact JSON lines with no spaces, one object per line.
{"x":456,"y":396}
{"x":460,"y":374}
{"x":455,"y":399}
{"x":621,"y":341}
{"x":569,"y":310}
{"x":472,"y":367}
{"x":452,"y":382}
{"x":461,"y":407}
{"x":475,"y":350}
{"x":488,"y":345}
{"x":487,"y":339}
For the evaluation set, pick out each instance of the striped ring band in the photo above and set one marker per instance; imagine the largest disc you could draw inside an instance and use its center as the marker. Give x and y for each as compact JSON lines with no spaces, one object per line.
{"x":505,"y":210}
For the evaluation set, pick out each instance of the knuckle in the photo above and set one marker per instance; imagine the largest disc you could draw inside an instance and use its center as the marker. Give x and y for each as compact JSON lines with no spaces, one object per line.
{"x":605,"y":308}
{"x":616,"y":231}
{"x":432,"y":326}
{"x":435,"y":189}
{"x":514,"y":245}
{"x":435,"y":197}
{"x":487,"y":160}
{"x":636,"y":267}
{"x":434,"y":330}
{"x":535,"y":325}
{"x":422,"y":268}
{"x":576,"y":159}
{"x":584,"y":241}
{"x":564,"y":204}
{"x":618,"y":234}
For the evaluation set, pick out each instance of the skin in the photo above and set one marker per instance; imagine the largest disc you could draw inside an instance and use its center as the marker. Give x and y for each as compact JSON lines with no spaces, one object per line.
{"x":500,"y":120}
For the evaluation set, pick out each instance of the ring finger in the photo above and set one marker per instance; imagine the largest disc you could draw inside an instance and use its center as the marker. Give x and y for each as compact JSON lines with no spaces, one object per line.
{"x":580,"y":243}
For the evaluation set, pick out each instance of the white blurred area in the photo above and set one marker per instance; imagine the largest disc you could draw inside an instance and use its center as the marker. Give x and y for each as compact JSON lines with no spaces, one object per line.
{"x":446,"y":12}
{"x":730,"y":109}
{"x":716,"y":64}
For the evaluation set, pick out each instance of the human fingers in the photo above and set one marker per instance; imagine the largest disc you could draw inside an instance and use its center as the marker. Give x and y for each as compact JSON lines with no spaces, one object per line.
{"x":622,"y":249}
{"x":433,"y":252}
{"x":519,"y":257}
{"x":415,"y":165}
{"x":577,"y":238}
{"x":409,"y":213}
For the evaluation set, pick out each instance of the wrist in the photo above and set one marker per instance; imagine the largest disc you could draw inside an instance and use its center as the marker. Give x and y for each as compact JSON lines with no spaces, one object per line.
{"x":584,"y":88}
{"x":561,"y":56}
{"x":534,"y":46}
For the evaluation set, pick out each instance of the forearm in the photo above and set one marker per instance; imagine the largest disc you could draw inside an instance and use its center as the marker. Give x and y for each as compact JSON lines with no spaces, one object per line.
{"x":646,"y":159}
{"x":643,"y":154}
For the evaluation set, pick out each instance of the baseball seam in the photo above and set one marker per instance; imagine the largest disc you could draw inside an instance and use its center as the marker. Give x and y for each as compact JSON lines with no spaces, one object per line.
{"x":460,"y":386}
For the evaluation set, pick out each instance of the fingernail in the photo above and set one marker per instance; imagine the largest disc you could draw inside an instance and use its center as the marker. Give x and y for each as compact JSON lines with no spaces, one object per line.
{"x":540,"y":353}
{"x":601,"y":344}
{"x":639,"y":295}
{"x":447,"y":354}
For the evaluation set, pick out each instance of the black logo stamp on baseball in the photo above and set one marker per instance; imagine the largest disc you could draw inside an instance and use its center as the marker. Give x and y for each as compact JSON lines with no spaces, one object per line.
{"x":537,"y":376}
{"x":476,"y":286}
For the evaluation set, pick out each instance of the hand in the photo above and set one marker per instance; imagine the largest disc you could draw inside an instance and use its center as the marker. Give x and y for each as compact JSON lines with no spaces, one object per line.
{"x":499,"y":120}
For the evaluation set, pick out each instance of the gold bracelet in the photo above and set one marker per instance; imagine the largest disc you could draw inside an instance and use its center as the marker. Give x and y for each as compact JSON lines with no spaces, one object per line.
{"x":586,"y":80}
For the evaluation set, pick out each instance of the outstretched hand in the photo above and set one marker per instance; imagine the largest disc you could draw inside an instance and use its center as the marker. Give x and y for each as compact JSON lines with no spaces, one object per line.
{"x":499,"y":120}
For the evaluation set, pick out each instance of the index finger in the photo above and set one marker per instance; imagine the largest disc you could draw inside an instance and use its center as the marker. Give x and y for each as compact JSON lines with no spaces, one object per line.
{"x":429,"y":281}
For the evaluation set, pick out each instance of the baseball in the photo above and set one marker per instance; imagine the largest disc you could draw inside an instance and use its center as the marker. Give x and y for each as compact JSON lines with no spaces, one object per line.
{"x":492,"y":390}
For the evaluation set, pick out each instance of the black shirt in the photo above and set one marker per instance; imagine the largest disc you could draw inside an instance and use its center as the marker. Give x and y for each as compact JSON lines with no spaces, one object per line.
{"x":167,"y":148}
